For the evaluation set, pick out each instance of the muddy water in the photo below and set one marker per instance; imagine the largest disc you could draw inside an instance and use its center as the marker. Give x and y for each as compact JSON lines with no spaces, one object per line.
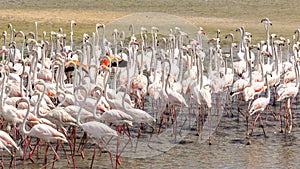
{"x":228,"y":149}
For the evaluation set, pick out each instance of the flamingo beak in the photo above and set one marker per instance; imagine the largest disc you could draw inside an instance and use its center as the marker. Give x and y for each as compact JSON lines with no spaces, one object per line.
{"x":100,"y":25}
{"x":134,"y":43}
{"x":2,"y":51}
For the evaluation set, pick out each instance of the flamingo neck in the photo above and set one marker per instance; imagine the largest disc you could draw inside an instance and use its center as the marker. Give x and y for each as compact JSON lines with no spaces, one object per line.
{"x":4,"y":79}
{"x":25,"y":118}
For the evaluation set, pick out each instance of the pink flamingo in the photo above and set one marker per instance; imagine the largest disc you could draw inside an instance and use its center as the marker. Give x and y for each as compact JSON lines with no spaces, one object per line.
{"x":259,"y":105}
{"x":44,"y":132}
{"x":289,"y":92}
{"x":93,"y":128}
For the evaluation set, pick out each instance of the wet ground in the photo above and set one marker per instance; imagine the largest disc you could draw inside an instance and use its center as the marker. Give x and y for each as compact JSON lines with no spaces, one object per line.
{"x":189,"y":150}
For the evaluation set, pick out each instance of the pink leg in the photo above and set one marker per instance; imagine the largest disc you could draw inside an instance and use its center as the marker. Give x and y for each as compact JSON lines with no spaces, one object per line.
{"x":93,"y":157}
{"x":55,"y":155}
{"x":32,"y":151}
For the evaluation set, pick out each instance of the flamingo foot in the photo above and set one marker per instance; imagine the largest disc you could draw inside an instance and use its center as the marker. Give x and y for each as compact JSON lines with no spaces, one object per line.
{"x":30,"y":156}
{"x":82,"y":154}
{"x":248,"y":142}
{"x":209,"y":141}
{"x":118,"y":159}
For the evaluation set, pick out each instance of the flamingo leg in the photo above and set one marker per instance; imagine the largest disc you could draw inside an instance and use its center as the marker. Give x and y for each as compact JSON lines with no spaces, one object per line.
{"x":70,"y":144}
{"x":25,"y":149}
{"x":280,"y":116}
{"x":290,"y":115}
{"x":247,"y":118}
{"x":46,"y":150}
{"x":239,"y":104}
{"x":117,"y":149}
{"x":83,"y":147}
{"x":189,"y":109}
{"x":93,"y":157}
{"x":55,"y":155}
{"x":2,"y":160}
{"x":285,"y":116}
{"x":82,"y":141}
{"x":162,"y":118}
{"x":31,"y":152}
{"x":198,"y":122}
{"x":262,"y":126}
{"x":218,"y":108}
{"x":209,"y":126}
{"x":138,"y":136}
{"x":74,"y":139}
{"x":63,"y":146}
{"x":110,"y":154}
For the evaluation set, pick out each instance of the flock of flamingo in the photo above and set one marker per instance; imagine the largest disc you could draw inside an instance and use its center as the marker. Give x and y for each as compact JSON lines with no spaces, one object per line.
{"x":50,"y":89}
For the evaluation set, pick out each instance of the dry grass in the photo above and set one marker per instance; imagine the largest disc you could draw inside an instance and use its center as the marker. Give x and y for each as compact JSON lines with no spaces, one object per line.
{"x":225,"y":15}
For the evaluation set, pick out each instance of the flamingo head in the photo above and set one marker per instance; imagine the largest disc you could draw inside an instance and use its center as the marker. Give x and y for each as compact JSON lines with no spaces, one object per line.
{"x":73,"y":22}
{"x":201,"y":31}
{"x":100,"y":25}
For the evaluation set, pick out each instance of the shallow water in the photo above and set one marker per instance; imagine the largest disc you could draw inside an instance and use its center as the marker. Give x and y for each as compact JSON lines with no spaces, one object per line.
{"x":228,"y":149}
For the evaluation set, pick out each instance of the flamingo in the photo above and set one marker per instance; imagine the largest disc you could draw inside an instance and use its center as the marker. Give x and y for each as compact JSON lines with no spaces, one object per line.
{"x":139,"y":116}
{"x":267,"y":48}
{"x":240,"y":66}
{"x":94,"y":128}
{"x":44,"y":132}
{"x":259,"y":105}
{"x":11,"y":113}
{"x":201,"y":92}
{"x":68,"y":49}
{"x":3,"y":146}
{"x":5,"y":142}
{"x":288,"y":93}
{"x":172,"y":97}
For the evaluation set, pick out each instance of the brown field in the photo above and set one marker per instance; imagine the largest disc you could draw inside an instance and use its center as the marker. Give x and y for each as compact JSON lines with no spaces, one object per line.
{"x":225,"y":15}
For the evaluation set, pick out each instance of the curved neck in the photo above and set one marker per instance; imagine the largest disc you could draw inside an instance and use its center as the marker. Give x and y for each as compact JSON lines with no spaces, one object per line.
{"x":103,"y":40}
{"x":241,"y":44}
{"x":210,"y":63}
{"x":169,"y":71}
{"x":261,"y":69}
{"x":179,"y":79}
{"x":268,"y":87}
{"x":96,"y":116}
{"x":11,"y":33}
{"x":267,"y":34}
{"x":40,"y":98}
{"x":200,"y":40}
{"x":21,"y":79}
{"x":201,"y":73}
{"x":115,"y":74}
{"x":4,"y":79}
{"x":276,"y":58}
{"x":25,"y":118}
{"x":297,"y":74}
{"x":36,"y":104}
{"x":106,"y":87}
{"x":36,"y":31}
{"x":97,"y":36}
{"x":80,"y":102}
{"x":248,"y":62}
{"x":71,"y":36}
{"x":63,"y":100}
